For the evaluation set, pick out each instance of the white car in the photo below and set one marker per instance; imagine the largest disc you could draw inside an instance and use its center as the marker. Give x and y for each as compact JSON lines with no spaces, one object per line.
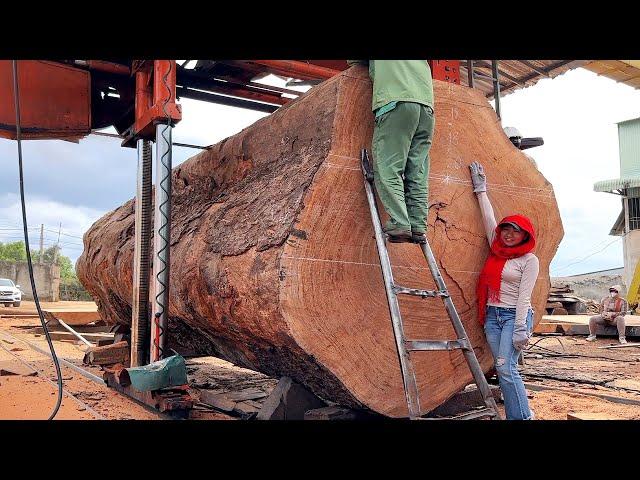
{"x":10,"y":293}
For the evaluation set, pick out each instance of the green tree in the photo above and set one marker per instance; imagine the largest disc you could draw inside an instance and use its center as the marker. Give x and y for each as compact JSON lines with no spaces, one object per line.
{"x":13,"y":251}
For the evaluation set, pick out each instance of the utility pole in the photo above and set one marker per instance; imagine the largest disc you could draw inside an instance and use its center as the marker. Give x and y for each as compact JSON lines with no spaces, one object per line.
{"x":57,"y":250}
{"x":41,"y":243}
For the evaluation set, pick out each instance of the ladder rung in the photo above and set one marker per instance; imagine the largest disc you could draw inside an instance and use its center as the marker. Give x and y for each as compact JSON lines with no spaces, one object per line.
{"x":426,"y":345}
{"x":399,"y":290}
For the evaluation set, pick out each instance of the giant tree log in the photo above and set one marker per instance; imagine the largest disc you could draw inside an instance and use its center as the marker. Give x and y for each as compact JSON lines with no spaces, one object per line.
{"x":274,"y":263}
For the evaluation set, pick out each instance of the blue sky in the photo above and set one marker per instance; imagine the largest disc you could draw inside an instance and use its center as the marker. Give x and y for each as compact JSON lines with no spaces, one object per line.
{"x":75,"y":184}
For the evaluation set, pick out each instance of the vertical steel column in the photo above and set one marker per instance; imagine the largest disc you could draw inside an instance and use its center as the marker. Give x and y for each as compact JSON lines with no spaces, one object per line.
{"x":470,"y":73}
{"x":162,"y":235}
{"x":496,"y":87}
{"x":140,"y":311}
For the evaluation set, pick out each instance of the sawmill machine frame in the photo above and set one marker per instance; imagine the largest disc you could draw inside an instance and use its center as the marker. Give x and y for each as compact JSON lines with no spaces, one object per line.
{"x":70,"y":99}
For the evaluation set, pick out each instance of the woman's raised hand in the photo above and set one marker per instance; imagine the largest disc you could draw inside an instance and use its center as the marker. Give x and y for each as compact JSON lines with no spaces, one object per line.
{"x":478,"y":178}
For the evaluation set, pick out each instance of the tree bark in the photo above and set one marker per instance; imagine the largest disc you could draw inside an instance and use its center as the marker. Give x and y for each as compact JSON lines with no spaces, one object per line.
{"x":274,"y":264}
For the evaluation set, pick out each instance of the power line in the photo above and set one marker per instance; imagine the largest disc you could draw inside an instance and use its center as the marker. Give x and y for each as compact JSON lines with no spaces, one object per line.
{"x":588,"y":256}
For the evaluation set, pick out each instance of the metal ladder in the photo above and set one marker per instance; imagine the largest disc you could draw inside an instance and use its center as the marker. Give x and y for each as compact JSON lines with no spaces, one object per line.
{"x":405,"y":346}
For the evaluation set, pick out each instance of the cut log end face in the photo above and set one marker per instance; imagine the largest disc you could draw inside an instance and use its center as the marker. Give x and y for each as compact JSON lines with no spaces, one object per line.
{"x":274,"y":263}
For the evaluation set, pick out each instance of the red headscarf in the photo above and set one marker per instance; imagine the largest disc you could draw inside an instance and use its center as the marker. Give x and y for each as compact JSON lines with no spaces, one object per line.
{"x":491,"y":274}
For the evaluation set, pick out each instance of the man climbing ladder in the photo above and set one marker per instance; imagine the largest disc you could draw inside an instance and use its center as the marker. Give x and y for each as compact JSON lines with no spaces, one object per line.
{"x":402,"y":136}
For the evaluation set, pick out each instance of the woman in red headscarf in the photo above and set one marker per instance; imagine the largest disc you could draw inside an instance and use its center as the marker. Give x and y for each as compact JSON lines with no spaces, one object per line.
{"x":504,"y":295}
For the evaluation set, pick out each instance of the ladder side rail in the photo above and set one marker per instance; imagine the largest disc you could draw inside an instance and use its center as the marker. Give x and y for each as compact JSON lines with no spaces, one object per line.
{"x":408,"y":373}
{"x":472,"y":360}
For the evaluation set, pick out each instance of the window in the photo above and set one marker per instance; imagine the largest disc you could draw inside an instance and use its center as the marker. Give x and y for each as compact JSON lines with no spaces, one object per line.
{"x":633,"y":207}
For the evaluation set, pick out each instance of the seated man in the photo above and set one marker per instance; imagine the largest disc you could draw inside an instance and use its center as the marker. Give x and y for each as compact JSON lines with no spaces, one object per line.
{"x":612,"y":310}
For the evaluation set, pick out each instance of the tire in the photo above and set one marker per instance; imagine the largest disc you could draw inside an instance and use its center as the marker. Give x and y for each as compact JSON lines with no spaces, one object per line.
{"x":16,"y":304}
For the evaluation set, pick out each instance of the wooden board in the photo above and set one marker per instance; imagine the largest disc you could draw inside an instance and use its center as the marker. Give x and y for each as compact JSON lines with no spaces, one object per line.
{"x":274,"y":263}
{"x":590,"y":416}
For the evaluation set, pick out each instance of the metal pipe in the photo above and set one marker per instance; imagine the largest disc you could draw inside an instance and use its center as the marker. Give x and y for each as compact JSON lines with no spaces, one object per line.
{"x":102,"y":66}
{"x":82,"y":339}
{"x":177,"y":144}
{"x":470,"y":73}
{"x":222,"y":100}
{"x":297,"y":69}
{"x":140,"y":308}
{"x":196,"y":79}
{"x":162,"y":235}
{"x":496,"y":87}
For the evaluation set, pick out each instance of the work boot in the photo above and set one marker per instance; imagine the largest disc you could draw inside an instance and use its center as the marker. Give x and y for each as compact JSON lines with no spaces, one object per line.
{"x":418,"y":237}
{"x":591,"y":338}
{"x":398,"y":235}
{"x":622,"y":340}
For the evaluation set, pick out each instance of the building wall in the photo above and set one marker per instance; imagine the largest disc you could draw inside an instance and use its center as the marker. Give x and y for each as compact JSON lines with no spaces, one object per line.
{"x":629,"y":147}
{"x":47,"y":278}
{"x":631,"y":252}
{"x":593,"y":285}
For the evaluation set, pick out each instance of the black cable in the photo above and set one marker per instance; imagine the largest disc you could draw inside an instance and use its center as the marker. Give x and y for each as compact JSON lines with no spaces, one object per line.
{"x":555,"y":353}
{"x":16,"y":97}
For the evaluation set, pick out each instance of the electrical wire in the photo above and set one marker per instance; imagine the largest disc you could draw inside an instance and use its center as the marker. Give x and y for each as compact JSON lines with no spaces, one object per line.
{"x":16,"y":97}
{"x":554,"y":353}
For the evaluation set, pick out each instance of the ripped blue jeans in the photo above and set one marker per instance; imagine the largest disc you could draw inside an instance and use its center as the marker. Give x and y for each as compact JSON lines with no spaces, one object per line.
{"x":498,"y":329}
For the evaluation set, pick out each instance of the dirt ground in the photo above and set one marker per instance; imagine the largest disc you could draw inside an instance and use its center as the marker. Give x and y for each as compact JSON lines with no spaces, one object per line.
{"x":564,"y":375}
{"x":33,"y":397}
{"x":615,"y":373}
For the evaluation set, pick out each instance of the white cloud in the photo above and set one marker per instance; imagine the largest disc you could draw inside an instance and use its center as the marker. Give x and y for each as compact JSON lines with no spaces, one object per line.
{"x":75,"y":221}
{"x":576,"y":114}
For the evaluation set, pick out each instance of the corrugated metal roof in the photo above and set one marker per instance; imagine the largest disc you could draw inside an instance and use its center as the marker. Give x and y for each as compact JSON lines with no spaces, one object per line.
{"x":616,"y":184}
{"x":624,"y":71}
{"x":629,"y":143}
{"x":516,"y":74}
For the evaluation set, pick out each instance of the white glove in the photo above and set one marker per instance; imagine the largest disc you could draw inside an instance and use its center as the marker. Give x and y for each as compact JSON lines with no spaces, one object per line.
{"x":478,"y":178}
{"x":520,"y":336}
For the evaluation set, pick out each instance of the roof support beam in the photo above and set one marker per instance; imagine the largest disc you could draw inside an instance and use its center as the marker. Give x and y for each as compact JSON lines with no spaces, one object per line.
{"x":534,"y":68}
{"x":547,"y":70}
{"x":221,"y":99}
{"x":503,"y":74}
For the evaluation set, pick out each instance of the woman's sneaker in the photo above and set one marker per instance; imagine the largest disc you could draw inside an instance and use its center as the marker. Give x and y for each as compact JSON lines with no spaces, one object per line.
{"x":622,"y":340}
{"x":591,"y":338}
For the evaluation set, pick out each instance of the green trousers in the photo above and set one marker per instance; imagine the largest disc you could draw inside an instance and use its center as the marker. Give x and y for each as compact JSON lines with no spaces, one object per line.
{"x":401,"y":143}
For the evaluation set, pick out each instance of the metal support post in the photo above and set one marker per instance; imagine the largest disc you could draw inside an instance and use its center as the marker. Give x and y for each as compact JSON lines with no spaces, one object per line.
{"x":140,"y":330}
{"x":496,"y":87}
{"x":162,"y":235}
{"x":470,"y":73}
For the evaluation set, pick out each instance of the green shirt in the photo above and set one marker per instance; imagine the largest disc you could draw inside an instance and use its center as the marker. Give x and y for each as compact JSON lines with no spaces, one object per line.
{"x":400,"y":81}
